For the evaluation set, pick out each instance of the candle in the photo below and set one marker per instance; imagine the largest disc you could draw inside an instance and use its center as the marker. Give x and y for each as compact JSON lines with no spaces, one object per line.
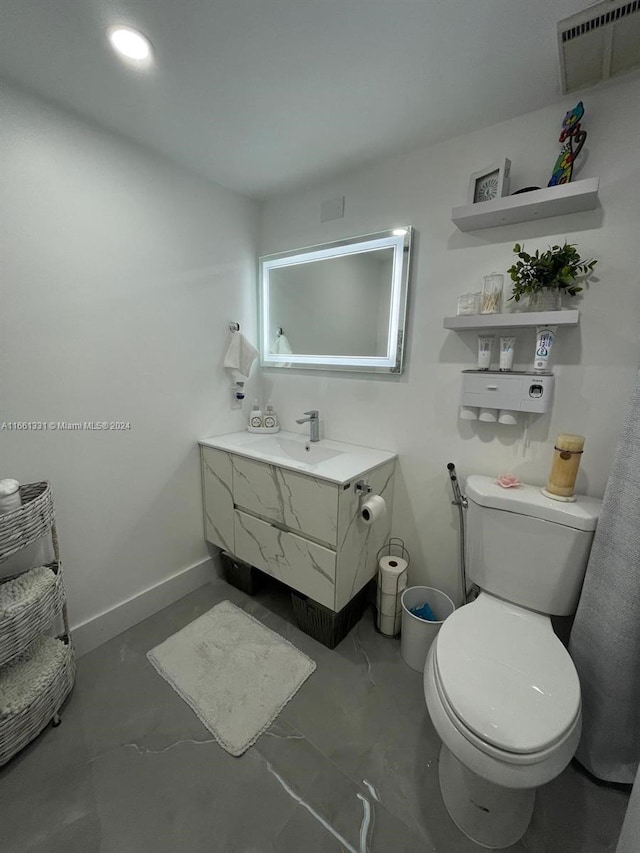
{"x":564,"y":467}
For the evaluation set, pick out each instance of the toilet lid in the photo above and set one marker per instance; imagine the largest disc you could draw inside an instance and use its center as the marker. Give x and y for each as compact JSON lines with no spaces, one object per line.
{"x":507,"y":676}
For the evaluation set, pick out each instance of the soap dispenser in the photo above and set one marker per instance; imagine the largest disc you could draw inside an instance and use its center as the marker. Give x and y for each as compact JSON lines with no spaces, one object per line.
{"x":255,"y":418}
{"x":270,"y":420}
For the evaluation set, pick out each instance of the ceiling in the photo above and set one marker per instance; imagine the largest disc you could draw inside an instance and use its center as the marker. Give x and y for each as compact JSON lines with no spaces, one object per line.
{"x":263,"y":96}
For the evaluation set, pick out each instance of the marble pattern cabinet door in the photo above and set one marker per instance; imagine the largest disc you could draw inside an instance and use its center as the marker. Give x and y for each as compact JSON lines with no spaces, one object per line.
{"x":359,"y":543}
{"x":301,"y":564}
{"x":299,"y":502}
{"x":217,"y":494}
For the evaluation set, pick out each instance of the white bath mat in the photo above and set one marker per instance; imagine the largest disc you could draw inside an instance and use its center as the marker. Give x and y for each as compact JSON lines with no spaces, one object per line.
{"x":236,"y":674}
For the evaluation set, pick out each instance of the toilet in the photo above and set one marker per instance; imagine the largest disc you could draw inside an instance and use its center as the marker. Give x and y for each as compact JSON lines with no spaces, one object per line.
{"x":501,"y":689}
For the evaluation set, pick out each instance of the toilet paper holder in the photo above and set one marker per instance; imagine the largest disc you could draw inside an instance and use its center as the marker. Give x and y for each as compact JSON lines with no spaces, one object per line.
{"x":394,"y":547}
{"x":388,"y":623}
{"x":361,"y":488}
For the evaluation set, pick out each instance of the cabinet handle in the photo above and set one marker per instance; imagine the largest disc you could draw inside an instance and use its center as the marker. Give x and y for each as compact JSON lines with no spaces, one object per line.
{"x":492,"y":387}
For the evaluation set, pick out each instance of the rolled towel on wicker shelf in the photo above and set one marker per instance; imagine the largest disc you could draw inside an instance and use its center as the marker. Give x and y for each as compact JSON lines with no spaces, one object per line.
{"x":25,"y":678}
{"x":25,"y":589}
{"x":10,"y":498}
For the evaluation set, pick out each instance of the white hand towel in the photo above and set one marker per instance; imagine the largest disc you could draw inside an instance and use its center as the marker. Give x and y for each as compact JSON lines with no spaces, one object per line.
{"x":281,"y":345}
{"x":240,"y":355}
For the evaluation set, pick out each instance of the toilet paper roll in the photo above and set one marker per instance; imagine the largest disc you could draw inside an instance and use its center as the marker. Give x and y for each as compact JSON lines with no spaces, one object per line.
{"x":388,"y":602}
{"x":373,"y":509}
{"x":391,"y":588}
{"x":392,"y":574}
{"x":389,"y":624}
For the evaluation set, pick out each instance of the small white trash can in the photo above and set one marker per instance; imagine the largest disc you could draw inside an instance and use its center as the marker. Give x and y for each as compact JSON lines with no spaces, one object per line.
{"x":418,"y":634}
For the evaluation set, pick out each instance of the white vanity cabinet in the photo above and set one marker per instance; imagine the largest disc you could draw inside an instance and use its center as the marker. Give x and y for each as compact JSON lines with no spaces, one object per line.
{"x":303,"y":527}
{"x":217,"y":498}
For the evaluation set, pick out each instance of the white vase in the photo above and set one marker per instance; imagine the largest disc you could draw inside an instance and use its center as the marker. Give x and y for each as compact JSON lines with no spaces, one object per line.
{"x":545,"y":300}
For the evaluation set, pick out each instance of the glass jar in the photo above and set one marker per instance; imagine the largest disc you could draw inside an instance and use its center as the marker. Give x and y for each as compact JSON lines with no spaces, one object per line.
{"x":468,"y":303}
{"x":491,"y":300}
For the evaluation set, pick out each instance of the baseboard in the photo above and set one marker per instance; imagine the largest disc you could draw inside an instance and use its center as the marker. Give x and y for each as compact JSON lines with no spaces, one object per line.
{"x":95,"y":631}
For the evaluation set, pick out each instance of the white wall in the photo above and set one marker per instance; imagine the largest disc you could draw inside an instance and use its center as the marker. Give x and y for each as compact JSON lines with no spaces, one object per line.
{"x":120,"y":274}
{"x":416,"y":414}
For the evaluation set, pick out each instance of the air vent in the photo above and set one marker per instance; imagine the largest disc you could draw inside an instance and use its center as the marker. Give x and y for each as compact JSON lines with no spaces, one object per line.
{"x":598,"y":43}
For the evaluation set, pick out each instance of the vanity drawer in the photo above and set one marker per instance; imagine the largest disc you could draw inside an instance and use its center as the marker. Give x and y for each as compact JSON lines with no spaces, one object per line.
{"x":298,"y":562}
{"x":298,"y":501}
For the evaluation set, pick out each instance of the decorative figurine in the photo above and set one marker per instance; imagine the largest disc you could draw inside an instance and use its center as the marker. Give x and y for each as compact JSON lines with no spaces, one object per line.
{"x":570,"y":136}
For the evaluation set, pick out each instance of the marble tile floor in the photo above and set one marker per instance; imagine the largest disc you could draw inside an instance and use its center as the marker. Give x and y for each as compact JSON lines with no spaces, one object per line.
{"x":349,"y":765}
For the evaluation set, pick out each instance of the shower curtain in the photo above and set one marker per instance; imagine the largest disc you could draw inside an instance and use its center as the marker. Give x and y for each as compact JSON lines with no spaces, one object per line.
{"x":605,"y":639}
{"x":629,"y":841}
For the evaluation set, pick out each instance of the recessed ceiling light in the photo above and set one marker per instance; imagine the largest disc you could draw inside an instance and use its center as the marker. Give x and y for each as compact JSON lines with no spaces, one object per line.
{"x":130,"y":44}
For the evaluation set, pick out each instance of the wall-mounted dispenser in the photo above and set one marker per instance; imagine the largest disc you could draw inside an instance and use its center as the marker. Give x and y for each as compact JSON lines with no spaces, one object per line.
{"x":513,"y":392}
{"x":237,"y":395}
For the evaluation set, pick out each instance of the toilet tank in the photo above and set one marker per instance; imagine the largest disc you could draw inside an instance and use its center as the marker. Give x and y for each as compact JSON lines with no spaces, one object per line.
{"x":527,"y":548}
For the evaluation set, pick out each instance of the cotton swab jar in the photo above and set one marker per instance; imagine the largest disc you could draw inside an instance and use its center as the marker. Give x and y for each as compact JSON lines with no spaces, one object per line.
{"x":491,"y":299}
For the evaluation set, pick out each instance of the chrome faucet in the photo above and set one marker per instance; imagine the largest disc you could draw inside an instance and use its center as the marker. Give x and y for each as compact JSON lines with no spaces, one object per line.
{"x":313,"y":419}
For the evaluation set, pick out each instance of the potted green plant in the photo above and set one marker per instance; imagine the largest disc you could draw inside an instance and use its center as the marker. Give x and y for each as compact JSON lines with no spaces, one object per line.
{"x":545,"y":276}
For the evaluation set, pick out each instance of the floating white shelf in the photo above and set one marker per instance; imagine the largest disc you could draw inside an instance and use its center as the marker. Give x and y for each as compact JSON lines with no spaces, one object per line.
{"x":512,"y":321}
{"x":537,"y":204}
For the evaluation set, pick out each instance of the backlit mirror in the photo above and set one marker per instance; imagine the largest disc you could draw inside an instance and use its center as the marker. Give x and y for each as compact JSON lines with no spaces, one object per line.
{"x":338,"y":306}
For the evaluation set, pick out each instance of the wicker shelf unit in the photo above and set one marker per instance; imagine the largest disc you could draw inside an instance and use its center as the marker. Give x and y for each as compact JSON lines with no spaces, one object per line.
{"x":37,"y":671}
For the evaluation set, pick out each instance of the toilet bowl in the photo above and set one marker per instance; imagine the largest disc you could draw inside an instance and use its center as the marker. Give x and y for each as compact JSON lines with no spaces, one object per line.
{"x":500,"y":687}
{"x":504,"y":697}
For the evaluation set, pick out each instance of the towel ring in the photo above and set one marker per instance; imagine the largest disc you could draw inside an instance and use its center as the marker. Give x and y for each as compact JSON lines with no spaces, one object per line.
{"x":279,"y":331}
{"x":234,"y":327}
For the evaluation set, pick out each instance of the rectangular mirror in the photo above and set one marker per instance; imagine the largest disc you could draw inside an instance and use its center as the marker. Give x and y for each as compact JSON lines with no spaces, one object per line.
{"x":338,"y":306}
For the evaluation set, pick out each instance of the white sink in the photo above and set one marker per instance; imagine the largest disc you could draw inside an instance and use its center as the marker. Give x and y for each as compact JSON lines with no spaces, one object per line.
{"x":302,"y":450}
{"x":328,"y":460}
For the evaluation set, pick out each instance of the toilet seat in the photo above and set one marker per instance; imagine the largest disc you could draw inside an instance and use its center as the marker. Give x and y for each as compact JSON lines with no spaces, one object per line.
{"x":517,"y":760}
{"x":505,"y":680}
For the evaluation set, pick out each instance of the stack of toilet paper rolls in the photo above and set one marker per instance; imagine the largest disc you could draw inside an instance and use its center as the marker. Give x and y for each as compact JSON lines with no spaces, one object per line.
{"x":392,"y":581}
